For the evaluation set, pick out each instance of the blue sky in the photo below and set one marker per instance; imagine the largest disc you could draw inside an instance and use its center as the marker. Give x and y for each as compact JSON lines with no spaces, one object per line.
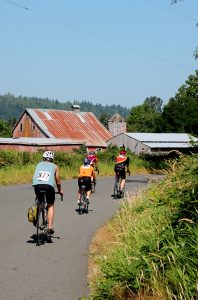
{"x":107,"y":51}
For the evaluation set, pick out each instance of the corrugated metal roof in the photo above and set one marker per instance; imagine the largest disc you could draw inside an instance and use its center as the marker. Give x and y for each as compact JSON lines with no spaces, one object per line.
{"x":72,"y":125}
{"x":161,"y":137}
{"x":39,"y":122}
{"x":168,"y":145}
{"x":40,"y":141}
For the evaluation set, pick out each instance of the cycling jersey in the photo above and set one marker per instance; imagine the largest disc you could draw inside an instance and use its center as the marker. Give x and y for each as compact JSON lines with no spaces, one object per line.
{"x":86,"y":171}
{"x":44,"y":174}
{"x":121,"y":162}
{"x":92,"y":158}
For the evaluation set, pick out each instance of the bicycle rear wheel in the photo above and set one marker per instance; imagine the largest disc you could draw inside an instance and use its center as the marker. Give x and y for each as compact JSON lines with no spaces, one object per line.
{"x":116,"y":190}
{"x":40,"y":225}
{"x":83,"y":206}
{"x":86,"y":205}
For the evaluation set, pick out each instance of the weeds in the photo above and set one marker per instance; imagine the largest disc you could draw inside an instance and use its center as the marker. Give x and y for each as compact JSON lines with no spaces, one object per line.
{"x":155,"y":254}
{"x":18,"y":167}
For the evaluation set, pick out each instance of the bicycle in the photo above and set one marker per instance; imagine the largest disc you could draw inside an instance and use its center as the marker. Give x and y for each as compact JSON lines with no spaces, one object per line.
{"x":42,"y":232}
{"x":83,"y":203}
{"x":117,"y":191}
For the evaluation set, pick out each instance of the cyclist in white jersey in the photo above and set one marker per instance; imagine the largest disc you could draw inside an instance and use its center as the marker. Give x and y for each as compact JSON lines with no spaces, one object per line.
{"x":45,"y":178}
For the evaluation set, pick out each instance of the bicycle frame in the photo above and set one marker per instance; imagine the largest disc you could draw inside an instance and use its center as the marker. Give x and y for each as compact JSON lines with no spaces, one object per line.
{"x":42,"y":233}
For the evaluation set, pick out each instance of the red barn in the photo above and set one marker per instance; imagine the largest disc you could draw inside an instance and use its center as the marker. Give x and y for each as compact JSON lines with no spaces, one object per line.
{"x":72,"y":128}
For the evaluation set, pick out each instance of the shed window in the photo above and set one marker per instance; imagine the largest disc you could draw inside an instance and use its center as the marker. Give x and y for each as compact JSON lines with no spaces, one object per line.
{"x":33,"y":127}
{"x":21,"y":127}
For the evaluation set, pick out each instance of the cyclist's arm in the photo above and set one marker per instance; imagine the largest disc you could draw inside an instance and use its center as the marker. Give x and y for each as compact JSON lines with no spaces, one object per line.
{"x":127,"y":165}
{"x":93,"y":174}
{"x":58,"y":181}
{"x":96,"y":166}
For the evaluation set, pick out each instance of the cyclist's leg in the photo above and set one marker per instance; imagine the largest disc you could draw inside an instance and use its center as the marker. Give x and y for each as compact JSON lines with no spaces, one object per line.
{"x":50,"y":197}
{"x":122,"y":184}
{"x":116,"y":184}
{"x":80,"y":183}
{"x":37,"y":190}
{"x":88,"y":187}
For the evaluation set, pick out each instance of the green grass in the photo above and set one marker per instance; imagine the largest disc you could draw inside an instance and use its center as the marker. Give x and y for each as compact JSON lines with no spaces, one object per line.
{"x":155,"y":249}
{"x":16,"y":175}
{"x":18,"y":167}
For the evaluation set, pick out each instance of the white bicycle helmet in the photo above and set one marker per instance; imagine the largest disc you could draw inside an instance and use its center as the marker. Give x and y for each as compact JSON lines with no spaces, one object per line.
{"x":48,"y":155}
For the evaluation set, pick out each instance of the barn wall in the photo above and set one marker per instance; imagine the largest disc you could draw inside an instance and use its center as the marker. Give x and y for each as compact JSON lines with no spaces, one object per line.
{"x":27,"y":128}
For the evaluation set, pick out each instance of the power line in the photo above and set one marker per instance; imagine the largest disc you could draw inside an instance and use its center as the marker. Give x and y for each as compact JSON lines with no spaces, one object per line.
{"x":98,"y":36}
{"x":17,"y":4}
{"x":171,"y":10}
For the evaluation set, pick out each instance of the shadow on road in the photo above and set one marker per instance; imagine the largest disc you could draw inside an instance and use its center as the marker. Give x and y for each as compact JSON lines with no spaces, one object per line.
{"x":84,"y":213}
{"x":137,"y":180}
{"x":34,"y":239}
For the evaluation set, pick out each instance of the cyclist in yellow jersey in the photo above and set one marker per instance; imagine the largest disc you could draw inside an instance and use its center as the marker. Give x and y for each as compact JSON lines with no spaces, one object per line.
{"x":86,"y":175}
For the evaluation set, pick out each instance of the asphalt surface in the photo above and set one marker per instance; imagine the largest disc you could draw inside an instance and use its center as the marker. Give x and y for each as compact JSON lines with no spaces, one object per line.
{"x":57,"y":270}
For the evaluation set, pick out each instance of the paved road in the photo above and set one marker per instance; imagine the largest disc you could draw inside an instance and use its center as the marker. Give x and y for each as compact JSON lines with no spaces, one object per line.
{"x":57,"y":270}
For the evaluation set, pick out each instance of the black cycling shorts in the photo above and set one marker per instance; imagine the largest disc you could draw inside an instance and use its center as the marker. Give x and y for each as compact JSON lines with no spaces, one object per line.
{"x":50,"y":192}
{"x":121,"y":173}
{"x":85,"y":181}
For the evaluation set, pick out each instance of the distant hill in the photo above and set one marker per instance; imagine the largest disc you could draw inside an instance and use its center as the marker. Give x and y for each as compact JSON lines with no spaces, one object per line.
{"x":11,"y":106}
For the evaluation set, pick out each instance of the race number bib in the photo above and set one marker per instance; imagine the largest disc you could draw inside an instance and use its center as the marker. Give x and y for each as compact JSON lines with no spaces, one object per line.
{"x":43,"y":176}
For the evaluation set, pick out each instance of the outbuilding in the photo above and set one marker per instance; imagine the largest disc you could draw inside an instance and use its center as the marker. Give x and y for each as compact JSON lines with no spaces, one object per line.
{"x":154,"y":143}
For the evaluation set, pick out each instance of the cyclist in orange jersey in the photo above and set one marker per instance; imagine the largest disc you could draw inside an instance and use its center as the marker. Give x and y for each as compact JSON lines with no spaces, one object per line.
{"x":86,"y":175}
{"x":121,"y":163}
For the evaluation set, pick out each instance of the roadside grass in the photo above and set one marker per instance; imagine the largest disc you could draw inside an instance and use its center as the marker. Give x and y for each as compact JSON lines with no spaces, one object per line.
{"x":149,"y":249}
{"x":16,"y":174}
{"x":18,"y":167}
{"x":23,"y":173}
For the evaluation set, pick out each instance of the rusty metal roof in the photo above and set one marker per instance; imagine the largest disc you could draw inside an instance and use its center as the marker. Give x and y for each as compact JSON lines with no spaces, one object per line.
{"x":61,"y":124}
